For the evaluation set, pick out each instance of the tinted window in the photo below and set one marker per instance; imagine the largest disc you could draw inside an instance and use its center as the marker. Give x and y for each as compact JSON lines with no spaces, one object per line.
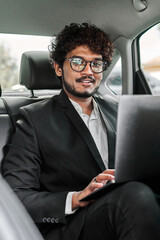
{"x":150,"y":57}
{"x":114,"y":80}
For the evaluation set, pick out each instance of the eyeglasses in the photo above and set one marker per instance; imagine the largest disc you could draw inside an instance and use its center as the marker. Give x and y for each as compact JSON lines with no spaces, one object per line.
{"x":78,"y":64}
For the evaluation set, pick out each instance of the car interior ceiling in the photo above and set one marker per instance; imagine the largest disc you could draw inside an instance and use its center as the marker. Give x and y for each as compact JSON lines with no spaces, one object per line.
{"x":101,"y":14}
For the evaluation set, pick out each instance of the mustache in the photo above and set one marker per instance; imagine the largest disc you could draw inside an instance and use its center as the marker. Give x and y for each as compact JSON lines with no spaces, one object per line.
{"x":85,"y":77}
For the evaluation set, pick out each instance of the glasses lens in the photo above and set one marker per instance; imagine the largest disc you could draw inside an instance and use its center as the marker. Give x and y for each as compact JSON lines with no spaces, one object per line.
{"x":78,"y":64}
{"x":97,"y":66}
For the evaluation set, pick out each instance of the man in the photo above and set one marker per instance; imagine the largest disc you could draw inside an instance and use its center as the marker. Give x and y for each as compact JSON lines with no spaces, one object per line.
{"x":63,"y":150}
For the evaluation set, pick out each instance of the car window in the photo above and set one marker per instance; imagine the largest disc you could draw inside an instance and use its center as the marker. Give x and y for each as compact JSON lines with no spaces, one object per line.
{"x":150,"y":57}
{"x":11,"y":48}
{"x":114,"y":80}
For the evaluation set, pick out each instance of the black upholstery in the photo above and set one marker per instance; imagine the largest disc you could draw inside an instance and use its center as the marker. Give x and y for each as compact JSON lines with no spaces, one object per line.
{"x":36,"y":71}
{"x":9,"y":108}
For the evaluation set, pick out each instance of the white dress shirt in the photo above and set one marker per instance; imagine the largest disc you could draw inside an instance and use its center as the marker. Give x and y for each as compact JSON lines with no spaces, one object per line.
{"x":95,"y":124}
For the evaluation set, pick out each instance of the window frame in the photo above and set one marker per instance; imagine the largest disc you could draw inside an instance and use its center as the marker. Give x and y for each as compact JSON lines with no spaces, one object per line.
{"x":141,"y":85}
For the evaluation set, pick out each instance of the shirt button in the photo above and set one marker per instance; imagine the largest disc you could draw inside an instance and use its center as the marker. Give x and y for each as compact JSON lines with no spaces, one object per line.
{"x":44,"y":219}
{"x":57,"y":220}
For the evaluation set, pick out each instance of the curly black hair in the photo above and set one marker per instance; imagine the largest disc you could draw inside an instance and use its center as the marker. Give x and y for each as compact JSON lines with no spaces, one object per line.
{"x":76,"y":35}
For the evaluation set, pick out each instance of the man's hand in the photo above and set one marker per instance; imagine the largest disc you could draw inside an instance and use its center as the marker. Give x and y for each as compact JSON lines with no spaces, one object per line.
{"x":101,"y":180}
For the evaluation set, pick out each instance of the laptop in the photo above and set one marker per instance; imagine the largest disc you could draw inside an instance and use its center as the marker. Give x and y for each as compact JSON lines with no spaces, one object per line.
{"x":137,"y":143}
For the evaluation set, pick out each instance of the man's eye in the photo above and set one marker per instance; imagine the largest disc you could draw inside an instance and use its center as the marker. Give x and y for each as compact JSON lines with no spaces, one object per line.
{"x":97,"y":64}
{"x":79,"y":63}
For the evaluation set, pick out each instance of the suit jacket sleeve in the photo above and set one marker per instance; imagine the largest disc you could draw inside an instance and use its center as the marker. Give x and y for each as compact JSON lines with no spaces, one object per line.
{"x":22,"y":170}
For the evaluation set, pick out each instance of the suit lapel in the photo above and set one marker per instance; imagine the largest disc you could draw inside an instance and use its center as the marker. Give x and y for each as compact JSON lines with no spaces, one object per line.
{"x":111,"y":141}
{"x":109,"y":116}
{"x":81,"y":128}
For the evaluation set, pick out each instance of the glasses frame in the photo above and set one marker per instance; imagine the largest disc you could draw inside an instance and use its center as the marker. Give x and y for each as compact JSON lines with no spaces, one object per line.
{"x":105,"y":64}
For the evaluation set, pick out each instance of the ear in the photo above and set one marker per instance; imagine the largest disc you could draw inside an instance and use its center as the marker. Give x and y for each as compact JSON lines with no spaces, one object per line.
{"x":58,"y":70}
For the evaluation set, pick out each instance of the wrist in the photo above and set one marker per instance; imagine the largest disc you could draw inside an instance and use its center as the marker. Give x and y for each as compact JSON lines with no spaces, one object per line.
{"x":75,"y":201}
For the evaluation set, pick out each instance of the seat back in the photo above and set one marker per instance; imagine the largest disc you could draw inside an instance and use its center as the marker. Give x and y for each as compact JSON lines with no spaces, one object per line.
{"x":35,"y":73}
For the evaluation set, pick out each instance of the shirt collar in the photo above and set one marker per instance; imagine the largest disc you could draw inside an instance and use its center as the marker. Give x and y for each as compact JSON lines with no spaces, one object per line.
{"x":95,"y":112}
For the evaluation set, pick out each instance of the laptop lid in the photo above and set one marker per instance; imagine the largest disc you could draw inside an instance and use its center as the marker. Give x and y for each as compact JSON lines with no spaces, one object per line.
{"x":138,"y":138}
{"x":137,"y":142}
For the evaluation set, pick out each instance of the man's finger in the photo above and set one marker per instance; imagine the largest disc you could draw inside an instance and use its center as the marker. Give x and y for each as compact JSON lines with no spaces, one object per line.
{"x":109,"y":171}
{"x":103,"y":176}
{"x":93,"y":185}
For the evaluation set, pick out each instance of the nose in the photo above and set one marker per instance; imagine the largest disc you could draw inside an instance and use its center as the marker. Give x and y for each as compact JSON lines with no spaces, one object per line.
{"x":87,"y":70}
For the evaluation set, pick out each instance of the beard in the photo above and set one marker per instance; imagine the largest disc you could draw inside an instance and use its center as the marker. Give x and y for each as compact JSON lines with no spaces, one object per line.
{"x":75,"y":93}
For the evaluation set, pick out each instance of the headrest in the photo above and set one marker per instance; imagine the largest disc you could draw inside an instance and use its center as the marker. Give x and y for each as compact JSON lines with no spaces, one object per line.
{"x":36,"y":71}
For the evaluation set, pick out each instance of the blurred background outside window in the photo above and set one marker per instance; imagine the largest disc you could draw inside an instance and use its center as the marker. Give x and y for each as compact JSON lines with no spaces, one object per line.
{"x":150,"y":57}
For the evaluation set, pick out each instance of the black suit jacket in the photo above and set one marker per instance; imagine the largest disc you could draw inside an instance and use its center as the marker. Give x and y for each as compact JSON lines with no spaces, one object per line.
{"x":52,"y":153}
